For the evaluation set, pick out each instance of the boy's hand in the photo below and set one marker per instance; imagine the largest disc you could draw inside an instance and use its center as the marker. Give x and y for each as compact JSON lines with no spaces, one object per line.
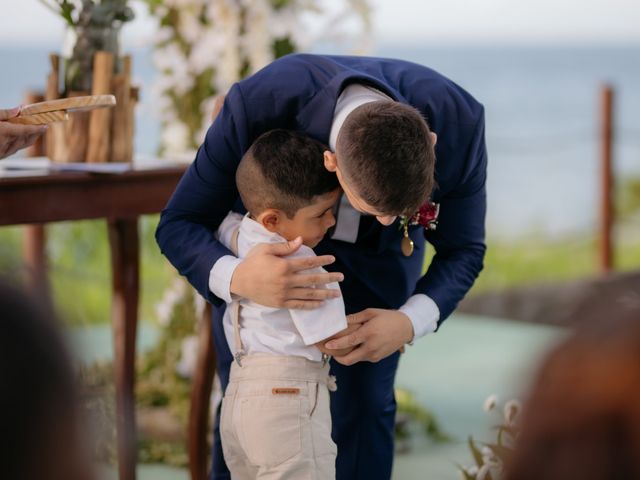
{"x":341,"y":351}
{"x":266,"y":278}
{"x":381,"y":333}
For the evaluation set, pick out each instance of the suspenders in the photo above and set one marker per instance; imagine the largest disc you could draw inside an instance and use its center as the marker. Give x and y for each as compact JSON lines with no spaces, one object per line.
{"x":235,"y":311}
{"x":235,"y":306}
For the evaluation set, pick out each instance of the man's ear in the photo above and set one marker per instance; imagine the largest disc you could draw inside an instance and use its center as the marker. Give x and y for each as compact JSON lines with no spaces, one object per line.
{"x":270,"y":219}
{"x":434,"y":138}
{"x":330,"y":161}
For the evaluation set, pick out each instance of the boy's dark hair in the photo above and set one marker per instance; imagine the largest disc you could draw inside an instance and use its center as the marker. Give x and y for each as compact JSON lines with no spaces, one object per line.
{"x":385,"y":151}
{"x":283,"y":170}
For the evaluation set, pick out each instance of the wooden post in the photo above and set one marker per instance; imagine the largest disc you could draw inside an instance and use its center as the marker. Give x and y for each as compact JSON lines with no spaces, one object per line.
{"x":125,"y":265}
{"x":100,"y":119}
{"x":606,"y":178}
{"x":201,"y":387}
{"x":55,"y":144}
{"x":37,"y":149}
{"x":122,"y":124}
{"x":34,"y":237}
{"x":76,"y":132}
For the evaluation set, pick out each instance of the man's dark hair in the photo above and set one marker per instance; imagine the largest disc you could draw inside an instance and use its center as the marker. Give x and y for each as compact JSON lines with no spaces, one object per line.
{"x":283,"y":170}
{"x":386,"y":153}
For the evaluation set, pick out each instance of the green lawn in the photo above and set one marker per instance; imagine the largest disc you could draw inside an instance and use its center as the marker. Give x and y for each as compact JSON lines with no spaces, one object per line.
{"x":80,"y":271}
{"x":537,"y":261}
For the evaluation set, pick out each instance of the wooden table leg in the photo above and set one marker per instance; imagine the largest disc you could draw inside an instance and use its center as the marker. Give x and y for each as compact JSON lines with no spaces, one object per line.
{"x":125,"y":261}
{"x":200,"y":399}
{"x":35,"y":259}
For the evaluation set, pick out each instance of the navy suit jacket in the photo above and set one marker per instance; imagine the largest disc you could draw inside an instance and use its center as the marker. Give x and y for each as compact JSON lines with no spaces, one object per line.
{"x":299,"y":92}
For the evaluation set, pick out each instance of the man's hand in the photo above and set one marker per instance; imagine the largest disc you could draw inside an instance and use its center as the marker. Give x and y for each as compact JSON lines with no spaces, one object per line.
{"x":343,"y":351}
{"x":267,"y":279}
{"x":381,"y":333}
{"x":14,"y":137}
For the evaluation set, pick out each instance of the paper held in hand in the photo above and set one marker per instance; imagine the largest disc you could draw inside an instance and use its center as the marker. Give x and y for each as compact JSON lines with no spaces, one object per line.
{"x":56,"y":110}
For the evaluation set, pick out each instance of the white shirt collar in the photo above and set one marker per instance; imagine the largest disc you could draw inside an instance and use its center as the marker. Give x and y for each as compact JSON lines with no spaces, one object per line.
{"x":253,"y":232}
{"x":351,"y":98}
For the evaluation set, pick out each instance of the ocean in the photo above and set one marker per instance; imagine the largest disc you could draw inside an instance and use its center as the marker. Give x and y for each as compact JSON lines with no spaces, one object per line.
{"x":542,"y":122}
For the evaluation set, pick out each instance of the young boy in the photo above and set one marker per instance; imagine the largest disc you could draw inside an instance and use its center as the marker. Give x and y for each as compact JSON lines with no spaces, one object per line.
{"x":275,"y":420}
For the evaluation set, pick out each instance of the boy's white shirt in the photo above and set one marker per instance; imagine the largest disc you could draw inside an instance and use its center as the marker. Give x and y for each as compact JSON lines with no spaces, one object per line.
{"x":421,"y":309}
{"x":278,"y":331}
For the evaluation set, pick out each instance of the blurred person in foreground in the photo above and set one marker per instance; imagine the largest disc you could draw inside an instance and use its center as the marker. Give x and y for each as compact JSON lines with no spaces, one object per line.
{"x":14,"y":137}
{"x":39,"y":426}
{"x":582,"y":417}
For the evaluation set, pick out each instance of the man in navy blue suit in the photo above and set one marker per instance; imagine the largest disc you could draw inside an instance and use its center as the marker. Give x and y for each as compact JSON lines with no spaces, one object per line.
{"x":373,"y":113}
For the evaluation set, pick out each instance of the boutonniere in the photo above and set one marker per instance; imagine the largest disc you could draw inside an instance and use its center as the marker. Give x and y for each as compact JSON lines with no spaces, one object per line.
{"x":427,"y":216}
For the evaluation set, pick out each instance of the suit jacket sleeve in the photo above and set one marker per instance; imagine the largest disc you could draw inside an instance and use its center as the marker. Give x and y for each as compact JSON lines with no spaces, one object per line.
{"x":203,"y":197}
{"x":459,"y":237}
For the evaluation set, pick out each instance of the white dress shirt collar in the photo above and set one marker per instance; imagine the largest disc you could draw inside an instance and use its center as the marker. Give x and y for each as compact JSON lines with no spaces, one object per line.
{"x":351,"y":98}
{"x":254,"y":232}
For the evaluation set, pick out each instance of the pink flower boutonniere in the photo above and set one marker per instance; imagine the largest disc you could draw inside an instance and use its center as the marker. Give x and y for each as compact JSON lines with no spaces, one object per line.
{"x":427,"y":216}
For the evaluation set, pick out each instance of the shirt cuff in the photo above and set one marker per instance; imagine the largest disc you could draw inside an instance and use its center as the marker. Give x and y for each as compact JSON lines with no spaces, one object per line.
{"x":220,"y":277}
{"x":423,"y":313}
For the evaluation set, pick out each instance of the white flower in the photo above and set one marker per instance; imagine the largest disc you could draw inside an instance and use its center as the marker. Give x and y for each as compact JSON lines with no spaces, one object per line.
{"x":221,"y":37}
{"x":483,"y":472}
{"x":180,"y":4}
{"x":164,"y":34}
{"x":206,"y":50}
{"x":188,"y":357}
{"x":511,"y":410}
{"x":189,"y":26}
{"x":199,"y":305}
{"x":163,"y":311}
{"x":170,"y":298}
{"x":489,"y":457}
{"x":167,"y":57}
{"x":256,"y":44}
{"x":490,"y":403}
{"x":175,"y":137}
{"x":473,"y":470}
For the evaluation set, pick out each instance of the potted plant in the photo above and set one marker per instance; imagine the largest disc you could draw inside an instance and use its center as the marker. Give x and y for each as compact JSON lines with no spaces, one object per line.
{"x":92,"y":26}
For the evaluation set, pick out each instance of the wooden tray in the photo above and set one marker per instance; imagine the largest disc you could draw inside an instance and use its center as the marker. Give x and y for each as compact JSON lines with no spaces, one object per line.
{"x":41,"y":118}
{"x":72,"y":104}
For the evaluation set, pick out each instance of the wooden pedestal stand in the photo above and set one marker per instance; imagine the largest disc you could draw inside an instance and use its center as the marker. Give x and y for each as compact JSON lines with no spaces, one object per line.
{"x":103,"y":135}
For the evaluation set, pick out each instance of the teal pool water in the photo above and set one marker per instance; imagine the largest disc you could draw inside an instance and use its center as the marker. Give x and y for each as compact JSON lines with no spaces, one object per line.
{"x":451,"y":372}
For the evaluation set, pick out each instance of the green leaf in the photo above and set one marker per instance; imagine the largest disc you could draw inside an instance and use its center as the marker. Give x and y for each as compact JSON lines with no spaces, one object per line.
{"x":282,"y":47}
{"x":502,"y":429}
{"x":465,"y":474}
{"x":477,"y":455}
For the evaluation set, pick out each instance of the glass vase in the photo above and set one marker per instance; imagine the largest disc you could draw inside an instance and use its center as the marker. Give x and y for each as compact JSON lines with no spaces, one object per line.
{"x":80,"y":46}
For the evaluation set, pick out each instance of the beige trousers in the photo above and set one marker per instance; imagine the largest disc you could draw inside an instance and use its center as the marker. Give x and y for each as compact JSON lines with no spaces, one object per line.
{"x":275,"y":421}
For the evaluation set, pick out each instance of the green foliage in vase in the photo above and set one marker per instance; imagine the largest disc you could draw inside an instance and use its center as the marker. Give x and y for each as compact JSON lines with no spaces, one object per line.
{"x":96,"y":25}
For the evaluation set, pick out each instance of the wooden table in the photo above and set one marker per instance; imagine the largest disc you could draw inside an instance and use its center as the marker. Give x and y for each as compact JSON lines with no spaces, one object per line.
{"x":41,"y":197}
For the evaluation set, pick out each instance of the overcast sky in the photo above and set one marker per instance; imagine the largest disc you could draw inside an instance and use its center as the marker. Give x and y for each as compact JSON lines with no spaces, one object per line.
{"x":443,"y":21}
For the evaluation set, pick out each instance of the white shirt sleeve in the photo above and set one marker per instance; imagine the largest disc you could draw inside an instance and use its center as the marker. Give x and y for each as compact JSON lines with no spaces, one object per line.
{"x":423,"y":313}
{"x":323,"y":322}
{"x":222,"y":270}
